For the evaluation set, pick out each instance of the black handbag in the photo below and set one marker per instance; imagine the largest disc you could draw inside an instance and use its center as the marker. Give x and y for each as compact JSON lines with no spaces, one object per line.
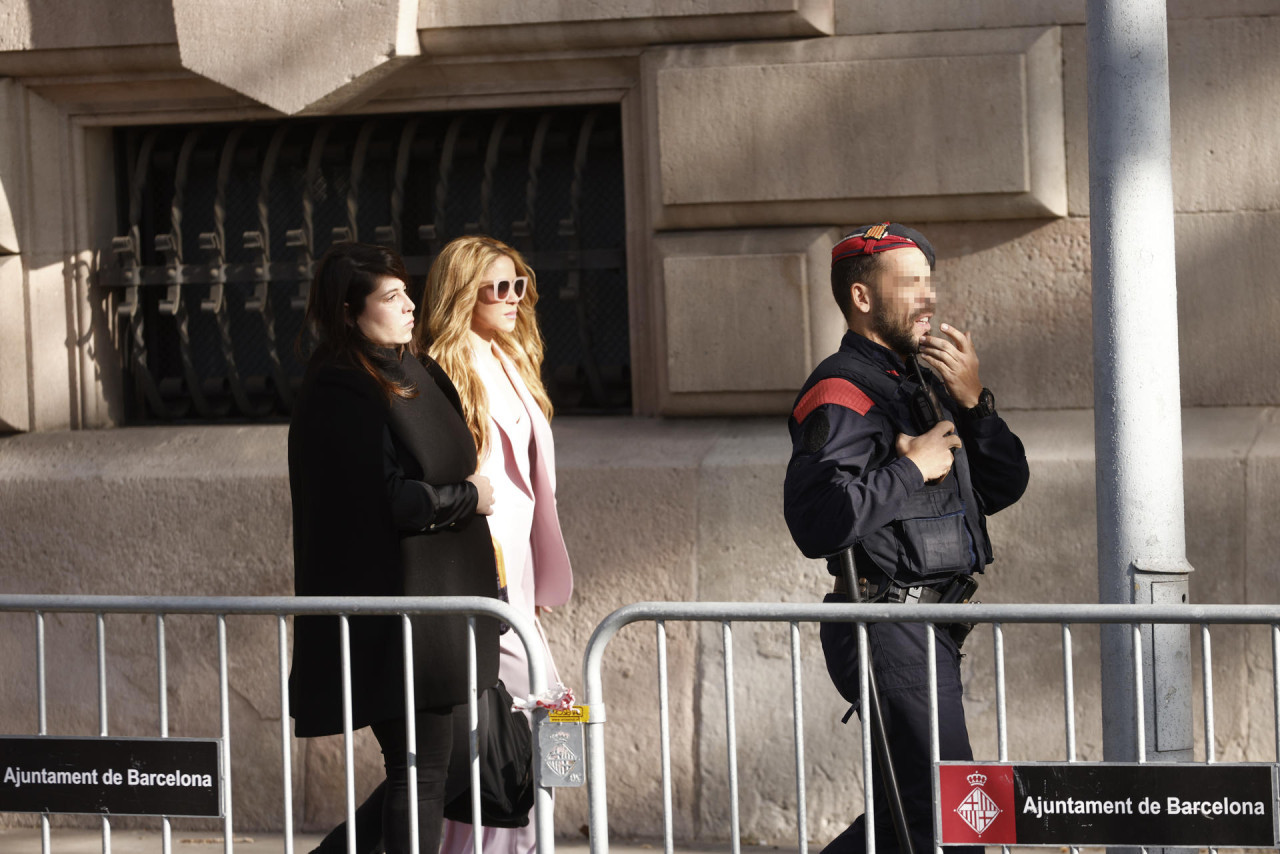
{"x":506,"y":772}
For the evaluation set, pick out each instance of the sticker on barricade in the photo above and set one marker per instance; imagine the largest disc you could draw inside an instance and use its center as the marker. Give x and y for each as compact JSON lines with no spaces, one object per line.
{"x":112,"y":776}
{"x":562,"y":746}
{"x":1107,"y":803}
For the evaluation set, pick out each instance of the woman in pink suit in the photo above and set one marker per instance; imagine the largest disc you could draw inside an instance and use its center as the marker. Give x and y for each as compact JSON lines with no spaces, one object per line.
{"x":480,"y":326}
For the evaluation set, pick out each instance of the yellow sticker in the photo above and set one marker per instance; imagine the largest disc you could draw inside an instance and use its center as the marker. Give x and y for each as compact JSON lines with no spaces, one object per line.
{"x":574,"y":715}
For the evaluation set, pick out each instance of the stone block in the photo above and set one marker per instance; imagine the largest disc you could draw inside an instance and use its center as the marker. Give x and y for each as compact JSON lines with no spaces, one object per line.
{"x":1218,"y":441}
{"x":746,"y":553}
{"x":1045,"y":545}
{"x":853,"y":16}
{"x":1022,"y":289}
{"x":748,"y":315}
{"x":324,"y":796}
{"x":101,"y":392}
{"x":1262,"y":587}
{"x":627,"y":501}
{"x":1228,"y":307}
{"x":1225,"y":138}
{"x":12,"y":145}
{"x":52,"y":342}
{"x":457,"y":26}
{"x":15,"y":410}
{"x":1262,"y":473}
{"x":166,"y":512}
{"x":715,"y":301}
{"x":43,"y":227}
{"x":1075,"y":109}
{"x":294,"y":58}
{"x":44,"y":231}
{"x":794,"y":132}
{"x":69,"y":25}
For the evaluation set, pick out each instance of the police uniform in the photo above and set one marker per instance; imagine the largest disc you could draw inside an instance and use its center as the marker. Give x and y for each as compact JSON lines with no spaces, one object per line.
{"x":846,"y":487}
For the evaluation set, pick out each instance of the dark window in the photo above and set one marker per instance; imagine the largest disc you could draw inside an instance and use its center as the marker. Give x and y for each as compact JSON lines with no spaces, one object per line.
{"x":220,"y":225}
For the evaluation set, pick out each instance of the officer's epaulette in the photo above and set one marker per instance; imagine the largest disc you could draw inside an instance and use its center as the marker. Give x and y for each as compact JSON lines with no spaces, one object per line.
{"x":837,"y":390}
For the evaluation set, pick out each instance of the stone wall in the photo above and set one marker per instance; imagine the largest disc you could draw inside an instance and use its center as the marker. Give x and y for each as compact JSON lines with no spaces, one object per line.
{"x":750,"y":154}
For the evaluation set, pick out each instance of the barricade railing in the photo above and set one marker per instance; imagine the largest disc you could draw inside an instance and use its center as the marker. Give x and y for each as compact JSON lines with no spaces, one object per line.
{"x":282,"y":607}
{"x":728,"y":613}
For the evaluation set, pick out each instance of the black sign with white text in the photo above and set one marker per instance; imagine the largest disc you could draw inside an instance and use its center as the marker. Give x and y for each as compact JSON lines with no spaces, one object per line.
{"x":1085,"y":804}
{"x":117,"y":776}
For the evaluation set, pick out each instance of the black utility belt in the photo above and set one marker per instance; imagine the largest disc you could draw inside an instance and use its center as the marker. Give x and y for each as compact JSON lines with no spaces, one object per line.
{"x":959,"y":589}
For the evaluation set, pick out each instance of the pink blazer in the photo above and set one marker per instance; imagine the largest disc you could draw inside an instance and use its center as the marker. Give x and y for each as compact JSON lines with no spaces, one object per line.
{"x":553,"y":576}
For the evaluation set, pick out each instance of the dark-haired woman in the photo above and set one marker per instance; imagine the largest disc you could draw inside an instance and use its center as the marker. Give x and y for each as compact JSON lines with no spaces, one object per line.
{"x":385,"y":502}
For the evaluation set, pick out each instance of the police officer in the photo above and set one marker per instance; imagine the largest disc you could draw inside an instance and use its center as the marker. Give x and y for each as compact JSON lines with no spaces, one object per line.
{"x":871,"y":471}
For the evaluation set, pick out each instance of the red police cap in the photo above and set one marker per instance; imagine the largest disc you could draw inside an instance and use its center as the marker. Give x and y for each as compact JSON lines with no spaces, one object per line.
{"x":882,"y":237}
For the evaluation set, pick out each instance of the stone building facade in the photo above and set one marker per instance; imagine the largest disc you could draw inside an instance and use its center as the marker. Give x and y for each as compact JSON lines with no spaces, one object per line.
{"x":752,"y":133}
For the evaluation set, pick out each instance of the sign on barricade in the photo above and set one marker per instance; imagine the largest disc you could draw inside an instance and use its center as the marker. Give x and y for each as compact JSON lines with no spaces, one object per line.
{"x":561,"y":746}
{"x":111,"y":776}
{"x":1077,"y":804}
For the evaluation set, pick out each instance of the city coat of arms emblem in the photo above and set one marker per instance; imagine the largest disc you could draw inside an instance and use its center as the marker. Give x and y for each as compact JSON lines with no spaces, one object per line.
{"x":977,"y":809}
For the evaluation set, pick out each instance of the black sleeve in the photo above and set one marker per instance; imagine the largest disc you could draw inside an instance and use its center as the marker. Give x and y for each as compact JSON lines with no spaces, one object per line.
{"x":832,"y":496}
{"x":418,"y":506}
{"x":997,"y":461}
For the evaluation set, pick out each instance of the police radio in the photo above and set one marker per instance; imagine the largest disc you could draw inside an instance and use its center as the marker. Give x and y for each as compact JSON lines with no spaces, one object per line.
{"x":926,"y":409}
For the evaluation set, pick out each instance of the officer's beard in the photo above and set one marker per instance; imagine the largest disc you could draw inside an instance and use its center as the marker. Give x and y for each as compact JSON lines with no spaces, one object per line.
{"x":897,"y":332}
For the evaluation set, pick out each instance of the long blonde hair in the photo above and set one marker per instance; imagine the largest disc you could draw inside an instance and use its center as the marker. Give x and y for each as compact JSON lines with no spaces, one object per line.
{"x":453,"y":286}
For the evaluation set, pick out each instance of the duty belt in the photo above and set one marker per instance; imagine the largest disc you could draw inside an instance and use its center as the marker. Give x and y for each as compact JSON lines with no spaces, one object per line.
{"x":957,"y":590}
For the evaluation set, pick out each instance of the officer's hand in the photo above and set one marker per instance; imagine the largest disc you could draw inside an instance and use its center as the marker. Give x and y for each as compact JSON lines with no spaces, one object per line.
{"x":931,"y":452}
{"x":955,"y":362}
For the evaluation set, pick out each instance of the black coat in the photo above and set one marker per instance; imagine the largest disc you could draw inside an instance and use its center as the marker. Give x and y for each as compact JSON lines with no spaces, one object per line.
{"x":345,"y":543}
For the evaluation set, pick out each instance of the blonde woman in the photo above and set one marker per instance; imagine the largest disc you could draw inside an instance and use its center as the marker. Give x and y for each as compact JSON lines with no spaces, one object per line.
{"x":479,"y":325}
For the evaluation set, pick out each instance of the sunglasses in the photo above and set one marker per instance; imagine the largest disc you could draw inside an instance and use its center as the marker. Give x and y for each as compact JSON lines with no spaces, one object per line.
{"x":505,"y":287}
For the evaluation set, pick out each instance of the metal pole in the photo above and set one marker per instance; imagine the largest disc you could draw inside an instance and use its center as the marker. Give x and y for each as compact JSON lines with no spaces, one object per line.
{"x":664,"y":739}
{"x":1137,"y":407}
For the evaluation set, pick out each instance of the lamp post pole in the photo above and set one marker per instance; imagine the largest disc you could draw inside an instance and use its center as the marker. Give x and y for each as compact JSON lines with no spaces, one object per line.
{"x":1137,"y":404}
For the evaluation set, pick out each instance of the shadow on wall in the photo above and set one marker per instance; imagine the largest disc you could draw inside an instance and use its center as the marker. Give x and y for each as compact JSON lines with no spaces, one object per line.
{"x":59,"y":24}
{"x":1022,"y":290}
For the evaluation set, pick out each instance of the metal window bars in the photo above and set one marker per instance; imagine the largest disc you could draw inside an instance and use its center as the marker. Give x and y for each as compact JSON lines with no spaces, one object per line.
{"x":280,"y":608}
{"x":221,"y":227}
{"x":1137,"y":617}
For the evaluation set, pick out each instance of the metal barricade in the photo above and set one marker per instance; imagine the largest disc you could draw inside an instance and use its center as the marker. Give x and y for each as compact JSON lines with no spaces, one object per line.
{"x":280,"y":608}
{"x":1140,"y":618}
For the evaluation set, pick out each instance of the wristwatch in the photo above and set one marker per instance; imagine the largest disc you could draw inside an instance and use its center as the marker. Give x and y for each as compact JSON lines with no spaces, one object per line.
{"x":986,"y":406}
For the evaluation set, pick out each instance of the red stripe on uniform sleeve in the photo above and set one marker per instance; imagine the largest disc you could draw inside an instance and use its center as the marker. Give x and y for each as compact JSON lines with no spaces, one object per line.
{"x":832,"y":390}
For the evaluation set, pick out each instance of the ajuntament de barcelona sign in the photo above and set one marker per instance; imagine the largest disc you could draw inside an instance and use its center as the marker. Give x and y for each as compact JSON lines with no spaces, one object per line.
{"x":111,"y":776}
{"x":1106,"y":803}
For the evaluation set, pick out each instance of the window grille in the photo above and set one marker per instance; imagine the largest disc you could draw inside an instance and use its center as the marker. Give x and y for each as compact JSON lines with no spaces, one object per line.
{"x":221,"y":226}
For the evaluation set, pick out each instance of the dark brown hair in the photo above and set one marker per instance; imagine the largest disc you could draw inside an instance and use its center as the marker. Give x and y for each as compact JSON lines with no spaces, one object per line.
{"x":344,"y":278}
{"x":847,"y":271}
